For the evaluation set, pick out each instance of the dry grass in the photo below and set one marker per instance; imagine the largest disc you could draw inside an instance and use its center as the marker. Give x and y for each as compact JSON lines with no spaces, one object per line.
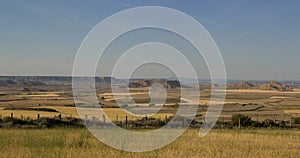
{"x":274,"y":104}
{"x":295,"y":91}
{"x":141,"y":97}
{"x":292,"y":111}
{"x":280,"y":97}
{"x":26,"y":114}
{"x":71,"y":111}
{"x":219,"y":143}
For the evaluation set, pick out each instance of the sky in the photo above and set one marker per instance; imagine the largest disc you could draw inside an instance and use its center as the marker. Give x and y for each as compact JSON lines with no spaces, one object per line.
{"x":258,"y":39}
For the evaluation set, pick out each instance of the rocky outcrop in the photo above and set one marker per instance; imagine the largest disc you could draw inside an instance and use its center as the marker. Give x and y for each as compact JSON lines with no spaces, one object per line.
{"x":274,"y":85}
{"x":241,"y":85}
{"x":245,"y":84}
{"x":138,"y":83}
{"x":44,"y":80}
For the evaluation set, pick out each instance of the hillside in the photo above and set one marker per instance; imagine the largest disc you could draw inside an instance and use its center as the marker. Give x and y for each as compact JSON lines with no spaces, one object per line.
{"x":269,"y":85}
{"x":138,"y":83}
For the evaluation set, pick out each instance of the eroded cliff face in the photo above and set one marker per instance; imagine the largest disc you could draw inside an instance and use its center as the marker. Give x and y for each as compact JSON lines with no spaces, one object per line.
{"x":271,"y":85}
{"x":274,"y":85}
{"x":137,"y":83}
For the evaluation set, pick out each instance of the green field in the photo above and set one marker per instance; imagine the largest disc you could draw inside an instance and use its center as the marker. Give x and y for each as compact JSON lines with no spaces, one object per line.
{"x":72,"y":142}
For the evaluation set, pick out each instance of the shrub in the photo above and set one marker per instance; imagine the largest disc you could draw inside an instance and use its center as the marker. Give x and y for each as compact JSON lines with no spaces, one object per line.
{"x":151,"y":104}
{"x":297,"y":120}
{"x":244,"y":120}
{"x":268,"y":123}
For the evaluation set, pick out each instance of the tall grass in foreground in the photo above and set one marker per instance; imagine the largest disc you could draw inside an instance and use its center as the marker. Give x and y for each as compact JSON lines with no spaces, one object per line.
{"x":219,"y":143}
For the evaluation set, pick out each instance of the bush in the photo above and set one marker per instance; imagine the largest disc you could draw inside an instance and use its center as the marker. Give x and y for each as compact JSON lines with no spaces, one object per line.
{"x":297,"y":120}
{"x":151,"y":104}
{"x":244,"y":120}
{"x":268,"y":123}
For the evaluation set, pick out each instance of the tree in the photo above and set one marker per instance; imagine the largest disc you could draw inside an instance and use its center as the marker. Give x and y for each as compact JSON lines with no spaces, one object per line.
{"x":242,"y":120}
{"x":297,"y":120}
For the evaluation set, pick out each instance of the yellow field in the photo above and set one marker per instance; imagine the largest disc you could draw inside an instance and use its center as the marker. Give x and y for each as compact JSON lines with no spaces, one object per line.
{"x":260,"y":91}
{"x":218,"y":143}
{"x":292,"y":111}
{"x":27,"y":114}
{"x":71,"y":111}
{"x":280,"y":97}
{"x":259,"y":104}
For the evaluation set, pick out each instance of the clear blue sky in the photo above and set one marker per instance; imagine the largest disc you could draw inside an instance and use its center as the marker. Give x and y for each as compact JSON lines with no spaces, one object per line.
{"x":259,"y":39}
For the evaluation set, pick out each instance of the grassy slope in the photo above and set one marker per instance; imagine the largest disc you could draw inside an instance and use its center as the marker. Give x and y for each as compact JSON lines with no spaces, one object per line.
{"x":219,"y":143}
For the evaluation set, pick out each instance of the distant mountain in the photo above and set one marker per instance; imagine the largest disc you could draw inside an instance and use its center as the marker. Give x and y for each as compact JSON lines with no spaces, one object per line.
{"x":241,"y":85}
{"x":137,"y":83}
{"x":47,"y":80}
{"x":28,"y":81}
{"x":269,"y":85}
{"x":274,"y":85}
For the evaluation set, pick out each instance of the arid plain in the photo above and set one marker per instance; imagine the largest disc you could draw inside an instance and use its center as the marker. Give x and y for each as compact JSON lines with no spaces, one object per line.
{"x":31,"y":98}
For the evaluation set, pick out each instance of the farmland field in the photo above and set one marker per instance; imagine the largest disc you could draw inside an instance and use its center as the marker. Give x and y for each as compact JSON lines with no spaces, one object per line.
{"x":72,"y":142}
{"x":41,"y":124}
{"x":149,"y":79}
{"x":259,"y":104}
